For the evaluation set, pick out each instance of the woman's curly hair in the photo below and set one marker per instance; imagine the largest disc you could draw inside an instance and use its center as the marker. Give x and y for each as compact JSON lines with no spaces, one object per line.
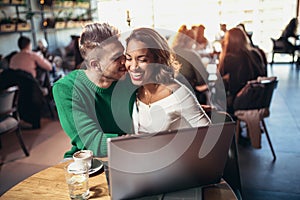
{"x":159,"y":48}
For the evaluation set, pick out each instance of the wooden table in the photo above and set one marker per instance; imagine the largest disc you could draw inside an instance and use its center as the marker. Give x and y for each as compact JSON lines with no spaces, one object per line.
{"x":51,"y":184}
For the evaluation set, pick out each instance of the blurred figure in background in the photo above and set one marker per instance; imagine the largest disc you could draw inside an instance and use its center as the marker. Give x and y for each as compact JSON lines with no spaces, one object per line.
{"x":249,"y":34}
{"x":191,"y":71}
{"x":23,"y":71}
{"x":28,"y":60}
{"x":56,"y":61}
{"x":42,"y":47}
{"x":201,"y":41}
{"x":220,"y":35}
{"x":290,"y":32}
{"x":239,"y":63}
{"x":262,"y":53}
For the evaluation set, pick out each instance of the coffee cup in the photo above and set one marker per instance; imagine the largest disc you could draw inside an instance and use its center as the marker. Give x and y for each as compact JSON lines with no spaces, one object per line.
{"x":83,"y":156}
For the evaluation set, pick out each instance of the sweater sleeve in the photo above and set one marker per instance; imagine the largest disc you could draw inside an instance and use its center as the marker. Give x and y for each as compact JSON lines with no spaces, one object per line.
{"x":79,"y":121}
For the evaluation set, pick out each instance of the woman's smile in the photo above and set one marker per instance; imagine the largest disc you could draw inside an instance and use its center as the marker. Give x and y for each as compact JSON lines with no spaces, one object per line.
{"x":136,"y":75}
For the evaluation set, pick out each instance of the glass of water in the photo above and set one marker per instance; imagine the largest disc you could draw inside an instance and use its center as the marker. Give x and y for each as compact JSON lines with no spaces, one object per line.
{"x":77,"y":178}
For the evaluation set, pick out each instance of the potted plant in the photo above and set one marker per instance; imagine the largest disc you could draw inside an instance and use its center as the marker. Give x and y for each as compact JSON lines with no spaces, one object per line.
{"x":22,"y":24}
{"x":7,"y":24}
{"x":68,"y":3}
{"x":58,"y":3}
{"x":60,"y":22}
{"x":83,"y":4}
{"x":5,"y":2}
{"x":70,"y":22}
{"x":19,"y":2}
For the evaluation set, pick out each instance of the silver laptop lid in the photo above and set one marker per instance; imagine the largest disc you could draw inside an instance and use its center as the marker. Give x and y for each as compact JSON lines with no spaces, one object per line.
{"x":149,"y":164}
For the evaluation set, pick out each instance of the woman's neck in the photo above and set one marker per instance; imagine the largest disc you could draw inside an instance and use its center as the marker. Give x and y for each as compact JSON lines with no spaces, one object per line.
{"x":151,"y":88}
{"x":151,"y":93}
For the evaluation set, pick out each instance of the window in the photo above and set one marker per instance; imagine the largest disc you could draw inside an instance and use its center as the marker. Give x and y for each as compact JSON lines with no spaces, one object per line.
{"x":265,"y":18}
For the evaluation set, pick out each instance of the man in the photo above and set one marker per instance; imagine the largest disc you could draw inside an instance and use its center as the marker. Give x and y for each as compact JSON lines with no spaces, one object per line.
{"x":23,"y":72}
{"x":93,"y":104}
{"x":28,"y":60}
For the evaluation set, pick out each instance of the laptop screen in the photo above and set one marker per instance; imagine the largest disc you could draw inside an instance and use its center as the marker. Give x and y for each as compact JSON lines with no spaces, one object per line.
{"x":149,"y":164}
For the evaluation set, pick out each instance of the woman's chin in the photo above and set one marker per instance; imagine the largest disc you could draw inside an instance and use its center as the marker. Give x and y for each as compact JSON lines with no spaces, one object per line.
{"x":136,"y":80}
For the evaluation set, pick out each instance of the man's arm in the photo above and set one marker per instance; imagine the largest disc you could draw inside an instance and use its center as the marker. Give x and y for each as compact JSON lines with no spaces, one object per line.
{"x":42,"y":62}
{"x":79,"y":122}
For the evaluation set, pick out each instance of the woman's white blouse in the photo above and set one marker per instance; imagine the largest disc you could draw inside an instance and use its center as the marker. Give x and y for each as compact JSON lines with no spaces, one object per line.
{"x":179,"y":110}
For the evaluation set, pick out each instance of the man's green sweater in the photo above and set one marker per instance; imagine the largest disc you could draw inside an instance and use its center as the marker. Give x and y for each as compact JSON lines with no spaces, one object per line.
{"x":90,"y":114}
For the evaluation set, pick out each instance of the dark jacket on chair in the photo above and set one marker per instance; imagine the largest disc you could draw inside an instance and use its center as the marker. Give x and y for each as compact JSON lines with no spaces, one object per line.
{"x":31,"y":97}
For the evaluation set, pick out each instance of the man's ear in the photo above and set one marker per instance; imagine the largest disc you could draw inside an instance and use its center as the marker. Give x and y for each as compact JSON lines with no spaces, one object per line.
{"x":95,"y":65}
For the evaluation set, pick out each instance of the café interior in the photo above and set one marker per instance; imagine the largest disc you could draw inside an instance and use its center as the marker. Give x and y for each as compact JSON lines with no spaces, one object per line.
{"x":269,"y":172}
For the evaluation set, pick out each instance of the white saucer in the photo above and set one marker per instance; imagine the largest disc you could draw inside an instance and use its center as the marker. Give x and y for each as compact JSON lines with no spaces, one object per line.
{"x":96,"y":166}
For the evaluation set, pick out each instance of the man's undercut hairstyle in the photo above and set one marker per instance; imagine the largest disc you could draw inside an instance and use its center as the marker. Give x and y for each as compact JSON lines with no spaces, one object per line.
{"x":96,"y":35}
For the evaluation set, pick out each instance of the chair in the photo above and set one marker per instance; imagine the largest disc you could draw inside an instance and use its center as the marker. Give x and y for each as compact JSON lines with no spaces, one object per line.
{"x":279,"y":48}
{"x":43,"y":78}
{"x":252,"y":105}
{"x":9,"y":116}
{"x":231,"y":172}
{"x":31,"y":98}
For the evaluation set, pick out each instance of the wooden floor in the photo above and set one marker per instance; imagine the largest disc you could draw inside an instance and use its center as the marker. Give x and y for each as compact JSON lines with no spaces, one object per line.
{"x":261,"y":177}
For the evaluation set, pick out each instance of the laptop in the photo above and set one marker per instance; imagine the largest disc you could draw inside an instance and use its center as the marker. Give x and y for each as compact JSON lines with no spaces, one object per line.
{"x":165,"y":162}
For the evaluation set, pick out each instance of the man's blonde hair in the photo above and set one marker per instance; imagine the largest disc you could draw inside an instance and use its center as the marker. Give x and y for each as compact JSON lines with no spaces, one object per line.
{"x":96,"y":35}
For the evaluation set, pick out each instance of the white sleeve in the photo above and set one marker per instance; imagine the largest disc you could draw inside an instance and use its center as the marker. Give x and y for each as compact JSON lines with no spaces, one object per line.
{"x":135,"y":118}
{"x":190,"y":108}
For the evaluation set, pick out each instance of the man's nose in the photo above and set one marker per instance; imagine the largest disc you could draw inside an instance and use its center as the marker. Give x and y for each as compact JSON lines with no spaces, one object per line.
{"x":122,"y":60}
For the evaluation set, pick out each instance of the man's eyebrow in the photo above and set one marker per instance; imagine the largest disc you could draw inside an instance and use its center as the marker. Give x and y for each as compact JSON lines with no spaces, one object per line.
{"x":118,"y":54}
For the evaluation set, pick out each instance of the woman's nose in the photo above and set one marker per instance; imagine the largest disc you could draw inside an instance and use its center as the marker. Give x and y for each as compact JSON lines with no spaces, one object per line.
{"x":133,"y":65}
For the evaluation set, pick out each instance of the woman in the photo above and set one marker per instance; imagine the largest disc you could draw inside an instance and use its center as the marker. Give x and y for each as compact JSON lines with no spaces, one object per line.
{"x":162,"y":103}
{"x":239,"y":63}
{"x":192,"y":71}
{"x":289,"y":32}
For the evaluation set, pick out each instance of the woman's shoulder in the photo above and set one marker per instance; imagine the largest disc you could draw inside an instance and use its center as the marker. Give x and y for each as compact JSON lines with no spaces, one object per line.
{"x":173,"y":85}
{"x":179,"y":89}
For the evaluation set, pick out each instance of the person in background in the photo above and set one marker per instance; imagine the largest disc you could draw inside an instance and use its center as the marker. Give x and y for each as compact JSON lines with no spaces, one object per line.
{"x":162,"y":102}
{"x":191,"y":66}
{"x":4,"y":63}
{"x":220,"y":35}
{"x":249,"y":35}
{"x":201,"y":41}
{"x":239,"y":62}
{"x":28,"y":60}
{"x":42,"y":47}
{"x":91,"y":105}
{"x":290,"y":31}
{"x":24,"y":67}
{"x":78,"y":58}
